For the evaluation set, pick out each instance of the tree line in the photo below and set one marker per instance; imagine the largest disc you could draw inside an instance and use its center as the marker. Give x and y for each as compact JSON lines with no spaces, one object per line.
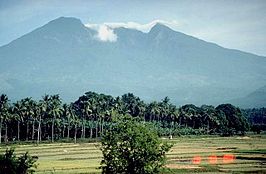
{"x":92,"y":113}
{"x":257,"y":118}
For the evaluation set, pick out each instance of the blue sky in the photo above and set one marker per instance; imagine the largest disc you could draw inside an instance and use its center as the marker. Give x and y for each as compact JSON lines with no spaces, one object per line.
{"x":236,"y":24}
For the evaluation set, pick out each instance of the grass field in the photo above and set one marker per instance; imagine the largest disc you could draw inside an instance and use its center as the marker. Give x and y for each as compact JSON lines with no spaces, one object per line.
{"x":188,"y":155}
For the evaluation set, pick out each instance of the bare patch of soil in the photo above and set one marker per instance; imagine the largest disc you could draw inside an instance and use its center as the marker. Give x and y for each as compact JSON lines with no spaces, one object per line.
{"x":178,"y":166}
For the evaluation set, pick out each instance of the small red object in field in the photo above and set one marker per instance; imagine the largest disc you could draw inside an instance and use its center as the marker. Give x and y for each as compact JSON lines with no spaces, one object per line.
{"x":196,"y":160}
{"x":228,"y":158}
{"x":212,"y":159}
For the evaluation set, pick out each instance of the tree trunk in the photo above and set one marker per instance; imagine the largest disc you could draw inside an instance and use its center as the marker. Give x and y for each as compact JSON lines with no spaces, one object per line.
{"x":63,"y":133}
{"x":208,"y":127}
{"x":18,"y":130}
{"x":1,"y":123}
{"x":33,"y":129}
{"x":53,"y":130}
{"x":39,"y":131}
{"x":68,"y":129}
{"x":172,"y":126}
{"x":82,"y":128}
{"x":102,"y":126}
{"x":75,"y":136}
{"x":27,"y":134}
{"x":96,"y":126}
{"x":6,"y":134}
{"x":91,"y":131}
{"x":84,"y":131}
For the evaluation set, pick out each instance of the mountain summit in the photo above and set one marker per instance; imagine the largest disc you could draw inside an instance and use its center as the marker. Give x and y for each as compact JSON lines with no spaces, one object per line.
{"x":65,"y":57}
{"x":159,"y":28}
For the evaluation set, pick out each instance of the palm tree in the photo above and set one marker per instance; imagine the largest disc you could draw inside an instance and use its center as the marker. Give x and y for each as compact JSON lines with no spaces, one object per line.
{"x":189,"y":113}
{"x":7,"y":119}
{"x":54,"y":110}
{"x":35,"y":116}
{"x":17,"y":111}
{"x":74,"y":119}
{"x":71,"y":117}
{"x":43,"y":108}
{"x":173,"y":115}
{"x":107,"y":106}
{"x":3,"y":113}
{"x":152,"y":111}
{"x":28,"y":109}
{"x":83,"y":106}
{"x":65,"y":117}
{"x":209,"y":117}
{"x":76,"y":122}
{"x":68,"y":114}
{"x":86,"y":112}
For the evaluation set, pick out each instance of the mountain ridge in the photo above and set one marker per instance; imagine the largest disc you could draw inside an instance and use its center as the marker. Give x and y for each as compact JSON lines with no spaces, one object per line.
{"x":252,"y":100}
{"x":158,"y":23}
{"x":185,"y":68}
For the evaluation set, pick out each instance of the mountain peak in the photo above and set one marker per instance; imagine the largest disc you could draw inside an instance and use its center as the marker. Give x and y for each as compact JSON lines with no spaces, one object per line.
{"x":66,"y":20}
{"x":65,"y":25}
{"x":159,"y":27}
{"x":163,"y":62}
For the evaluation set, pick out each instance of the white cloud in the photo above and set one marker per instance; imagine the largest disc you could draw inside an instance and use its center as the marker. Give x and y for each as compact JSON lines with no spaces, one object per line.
{"x":93,"y":26}
{"x":144,"y":27}
{"x":106,"y":34}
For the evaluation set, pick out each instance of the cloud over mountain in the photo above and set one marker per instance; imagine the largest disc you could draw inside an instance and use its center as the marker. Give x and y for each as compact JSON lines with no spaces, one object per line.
{"x":134,"y":25}
{"x":106,"y":34}
{"x":152,"y":65}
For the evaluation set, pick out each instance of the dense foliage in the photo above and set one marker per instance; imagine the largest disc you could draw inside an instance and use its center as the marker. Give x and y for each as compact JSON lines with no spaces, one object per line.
{"x":257,"y":118}
{"x":10,"y":164}
{"x":90,"y":114}
{"x":130,"y":146}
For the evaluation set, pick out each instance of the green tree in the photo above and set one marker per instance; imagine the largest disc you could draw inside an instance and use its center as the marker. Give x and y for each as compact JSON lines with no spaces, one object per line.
{"x":43,"y":109}
{"x":28,"y":110}
{"x":10,"y":164}
{"x":133,"y":105}
{"x":152,"y":111}
{"x":4,"y":113}
{"x":17,"y":111}
{"x":132,"y":147}
{"x":65,"y":119}
{"x":55,"y":111}
{"x":236,"y":121}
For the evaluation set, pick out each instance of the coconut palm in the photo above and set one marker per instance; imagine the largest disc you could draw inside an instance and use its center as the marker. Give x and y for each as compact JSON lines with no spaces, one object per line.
{"x":28,"y":110}
{"x":17,"y":111}
{"x":43,"y":108}
{"x":55,"y":111}
{"x":4,"y":114}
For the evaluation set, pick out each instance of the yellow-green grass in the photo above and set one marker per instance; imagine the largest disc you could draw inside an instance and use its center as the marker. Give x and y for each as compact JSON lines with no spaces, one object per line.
{"x":68,"y":158}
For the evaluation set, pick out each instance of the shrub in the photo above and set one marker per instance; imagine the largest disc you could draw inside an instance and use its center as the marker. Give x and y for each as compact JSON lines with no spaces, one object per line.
{"x":132,"y":147}
{"x":24,"y":164}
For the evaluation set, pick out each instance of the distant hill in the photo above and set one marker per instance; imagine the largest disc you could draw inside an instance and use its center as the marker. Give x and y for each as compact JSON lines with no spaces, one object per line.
{"x":256,"y":99}
{"x":65,"y":57}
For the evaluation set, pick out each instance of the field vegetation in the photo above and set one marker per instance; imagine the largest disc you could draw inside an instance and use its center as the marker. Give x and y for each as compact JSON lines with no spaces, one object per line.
{"x":69,"y":158}
{"x":66,"y":136}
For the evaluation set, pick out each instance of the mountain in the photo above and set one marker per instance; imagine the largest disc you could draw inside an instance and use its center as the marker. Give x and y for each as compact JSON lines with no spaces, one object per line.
{"x":65,"y":57}
{"x":255,"y":99}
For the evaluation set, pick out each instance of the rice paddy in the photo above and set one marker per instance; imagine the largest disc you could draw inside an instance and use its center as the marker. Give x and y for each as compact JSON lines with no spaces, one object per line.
{"x":199,"y":154}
